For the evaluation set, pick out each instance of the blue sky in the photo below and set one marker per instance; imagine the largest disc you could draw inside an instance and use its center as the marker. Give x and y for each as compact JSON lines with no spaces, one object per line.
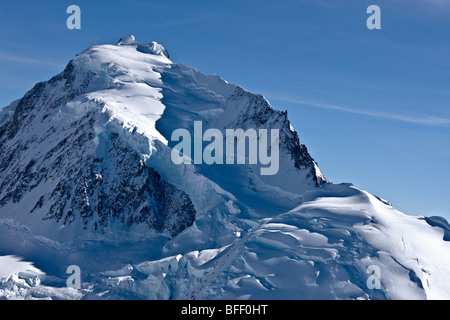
{"x":372,"y":106}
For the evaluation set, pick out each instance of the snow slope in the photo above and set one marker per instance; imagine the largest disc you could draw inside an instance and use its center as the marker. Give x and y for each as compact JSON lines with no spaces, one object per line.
{"x":87,"y":179}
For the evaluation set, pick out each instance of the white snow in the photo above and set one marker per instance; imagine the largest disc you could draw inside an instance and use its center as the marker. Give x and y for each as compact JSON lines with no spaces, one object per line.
{"x":12,"y":264}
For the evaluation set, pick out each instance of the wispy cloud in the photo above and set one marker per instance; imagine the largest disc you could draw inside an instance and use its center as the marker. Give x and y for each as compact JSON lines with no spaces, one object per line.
{"x":37,"y":62}
{"x":181,"y":22}
{"x":318,"y":3}
{"x":421,"y":120}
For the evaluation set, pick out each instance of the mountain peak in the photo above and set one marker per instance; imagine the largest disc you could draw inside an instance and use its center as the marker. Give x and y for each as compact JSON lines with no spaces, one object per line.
{"x":152,"y":47}
{"x":128,"y":39}
{"x":126,"y":100}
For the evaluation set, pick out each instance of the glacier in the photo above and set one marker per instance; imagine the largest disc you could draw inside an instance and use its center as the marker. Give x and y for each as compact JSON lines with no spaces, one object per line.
{"x":87,"y":179}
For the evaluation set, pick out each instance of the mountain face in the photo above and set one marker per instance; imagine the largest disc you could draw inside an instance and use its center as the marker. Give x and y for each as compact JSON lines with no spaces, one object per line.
{"x":87,"y":178}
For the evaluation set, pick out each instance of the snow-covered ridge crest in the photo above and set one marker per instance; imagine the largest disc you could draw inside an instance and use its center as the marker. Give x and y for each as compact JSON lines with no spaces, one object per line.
{"x":126,"y":82}
{"x":152,"y":47}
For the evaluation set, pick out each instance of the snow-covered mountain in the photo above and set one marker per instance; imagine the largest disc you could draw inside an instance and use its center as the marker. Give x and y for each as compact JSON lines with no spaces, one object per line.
{"x":87,"y":179}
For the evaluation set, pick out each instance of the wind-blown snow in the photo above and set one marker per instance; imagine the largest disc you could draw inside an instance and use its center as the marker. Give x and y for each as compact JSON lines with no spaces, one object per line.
{"x":12,"y":264}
